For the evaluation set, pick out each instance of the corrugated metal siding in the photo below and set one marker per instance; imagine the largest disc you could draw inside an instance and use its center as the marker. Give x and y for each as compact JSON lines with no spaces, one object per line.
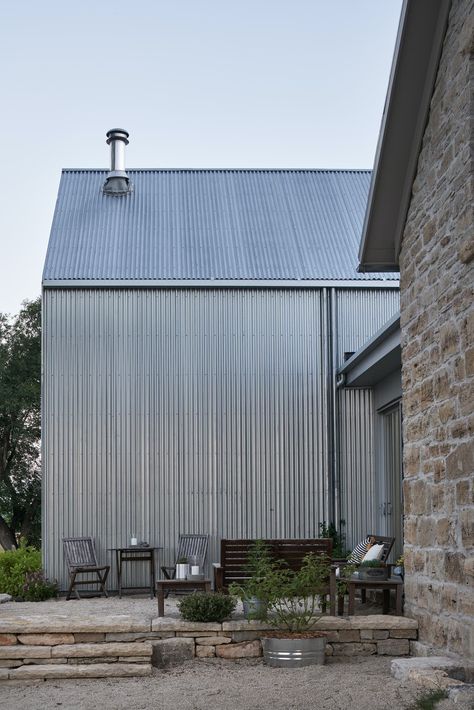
{"x":356,"y":460}
{"x":168,"y":411}
{"x":210,"y":225}
{"x":359,"y":315}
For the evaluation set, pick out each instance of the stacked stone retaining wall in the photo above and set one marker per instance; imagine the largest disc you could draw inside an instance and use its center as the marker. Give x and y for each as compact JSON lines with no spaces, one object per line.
{"x":34,"y":647}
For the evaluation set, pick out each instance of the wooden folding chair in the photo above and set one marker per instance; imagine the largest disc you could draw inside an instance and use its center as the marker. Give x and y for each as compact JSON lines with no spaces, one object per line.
{"x":81,"y":558}
{"x":189,"y":546}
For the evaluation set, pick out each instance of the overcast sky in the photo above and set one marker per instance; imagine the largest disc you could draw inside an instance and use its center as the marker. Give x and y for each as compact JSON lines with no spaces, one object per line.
{"x":197,"y":83}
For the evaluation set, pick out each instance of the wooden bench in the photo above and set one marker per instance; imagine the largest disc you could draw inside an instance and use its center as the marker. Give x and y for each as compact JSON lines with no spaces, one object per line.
{"x":233,"y":563}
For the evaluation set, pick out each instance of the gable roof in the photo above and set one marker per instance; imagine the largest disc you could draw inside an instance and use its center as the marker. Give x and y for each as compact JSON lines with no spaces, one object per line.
{"x":209,"y":225}
{"x":415,"y":64}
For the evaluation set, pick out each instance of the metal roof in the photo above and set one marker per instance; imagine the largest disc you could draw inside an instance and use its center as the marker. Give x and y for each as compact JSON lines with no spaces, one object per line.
{"x":209,"y":225}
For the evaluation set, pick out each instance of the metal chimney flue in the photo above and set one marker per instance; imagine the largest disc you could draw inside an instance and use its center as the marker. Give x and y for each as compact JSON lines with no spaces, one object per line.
{"x":117,"y":182}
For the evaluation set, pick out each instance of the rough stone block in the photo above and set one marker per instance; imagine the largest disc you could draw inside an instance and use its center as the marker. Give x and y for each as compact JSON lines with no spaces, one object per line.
{"x":460,"y":463}
{"x":367,"y":634}
{"x":45,"y":639}
{"x":100,"y":670}
{"x":393,"y":647}
{"x":11,"y":664}
{"x":89,"y":638}
{"x":131,"y":659}
{"x":163,"y":624}
{"x":7,"y":639}
{"x":4,"y":598}
{"x":172,"y":652}
{"x":403,"y":634}
{"x":139,"y":636}
{"x":354,"y":649}
{"x":98,"y":650}
{"x":205,"y":651}
{"x":243,"y":625}
{"x":401,"y":668}
{"x":351,"y":635}
{"x":246,"y":649}
{"x":238,"y":636}
{"x":66,"y":623}
{"x":82,"y":661}
{"x":19,"y":651}
{"x":4,"y":673}
{"x":382,"y":621}
{"x":380,"y":634}
{"x":212,"y":640}
{"x":43,"y":661}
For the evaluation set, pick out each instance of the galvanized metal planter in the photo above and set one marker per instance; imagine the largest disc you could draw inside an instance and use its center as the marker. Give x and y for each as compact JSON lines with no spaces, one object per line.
{"x":293,"y":652}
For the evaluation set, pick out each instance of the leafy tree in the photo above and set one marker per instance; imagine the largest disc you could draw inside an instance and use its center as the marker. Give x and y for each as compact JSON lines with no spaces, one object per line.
{"x":20,"y":421}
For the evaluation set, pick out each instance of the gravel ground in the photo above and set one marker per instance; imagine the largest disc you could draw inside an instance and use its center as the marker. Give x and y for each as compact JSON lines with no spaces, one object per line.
{"x":210,"y":684}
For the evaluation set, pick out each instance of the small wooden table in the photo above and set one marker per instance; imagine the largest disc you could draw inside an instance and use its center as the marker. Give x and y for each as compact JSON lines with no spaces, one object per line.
{"x":137,"y":553}
{"x":386,"y":585}
{"x":166,"y":585}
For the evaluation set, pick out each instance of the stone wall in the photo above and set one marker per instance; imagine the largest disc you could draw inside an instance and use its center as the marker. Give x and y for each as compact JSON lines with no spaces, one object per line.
{"x":437,"y":321}
{"x":35,"y":647}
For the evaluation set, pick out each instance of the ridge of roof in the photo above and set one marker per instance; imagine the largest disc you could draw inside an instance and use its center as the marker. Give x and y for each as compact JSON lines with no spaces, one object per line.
{"x":222,"y":170}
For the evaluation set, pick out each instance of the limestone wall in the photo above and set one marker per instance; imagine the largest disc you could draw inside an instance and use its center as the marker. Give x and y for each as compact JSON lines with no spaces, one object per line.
{"x":437,"y":320}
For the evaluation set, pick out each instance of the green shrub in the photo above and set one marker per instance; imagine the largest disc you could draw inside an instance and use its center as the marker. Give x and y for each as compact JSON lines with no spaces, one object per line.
{"x":206,"y":606}
{"x":37,"y":588}
{"x":15,"y":565}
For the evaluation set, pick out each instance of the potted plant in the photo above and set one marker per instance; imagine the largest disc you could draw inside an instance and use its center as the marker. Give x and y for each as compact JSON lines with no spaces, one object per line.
{"x":373,"y":570}
{"x":255,"y":591}
{"x":400,"y":566}
{"x":293,"y":611}
{"x":182,"y":568}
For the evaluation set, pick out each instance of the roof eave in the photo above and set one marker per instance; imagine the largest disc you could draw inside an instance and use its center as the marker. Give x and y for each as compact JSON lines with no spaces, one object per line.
{"x":417,"y":53}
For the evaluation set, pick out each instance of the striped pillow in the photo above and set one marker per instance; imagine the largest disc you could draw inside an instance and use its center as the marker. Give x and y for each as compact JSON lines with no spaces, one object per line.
{"x":359,"y":551}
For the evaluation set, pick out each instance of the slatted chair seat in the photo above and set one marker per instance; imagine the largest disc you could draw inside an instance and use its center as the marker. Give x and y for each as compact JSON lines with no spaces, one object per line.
{"x":81,"y":558}
{"x":188,"y":546}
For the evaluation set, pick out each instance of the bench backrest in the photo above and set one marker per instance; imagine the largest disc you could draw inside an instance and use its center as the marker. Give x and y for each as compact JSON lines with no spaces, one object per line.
{"x":234,"y":555}
{"x":79,"y":552}
{"x":387,"y":543}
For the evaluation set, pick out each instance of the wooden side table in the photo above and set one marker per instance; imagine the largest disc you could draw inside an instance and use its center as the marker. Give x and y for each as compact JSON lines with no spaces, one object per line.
{"x":166,"y":585}
{"x":386,"y":585}
{"x":135,"y":554}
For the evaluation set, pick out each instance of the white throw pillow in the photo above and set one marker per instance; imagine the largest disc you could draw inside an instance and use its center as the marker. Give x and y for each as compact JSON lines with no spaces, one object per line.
{"x":374,"y":553}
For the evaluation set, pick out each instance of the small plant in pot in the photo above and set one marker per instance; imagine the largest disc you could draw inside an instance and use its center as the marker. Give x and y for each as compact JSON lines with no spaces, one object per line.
{"x":373,"y":570}
{"x":294,"y":611}
{"x":255,"y":591}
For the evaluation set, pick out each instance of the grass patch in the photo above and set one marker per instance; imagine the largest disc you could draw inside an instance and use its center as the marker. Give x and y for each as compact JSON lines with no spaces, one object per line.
{"x":428,"y":700}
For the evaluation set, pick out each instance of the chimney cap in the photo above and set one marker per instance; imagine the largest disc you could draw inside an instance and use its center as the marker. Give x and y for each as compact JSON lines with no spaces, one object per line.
{"x":117,"y":134}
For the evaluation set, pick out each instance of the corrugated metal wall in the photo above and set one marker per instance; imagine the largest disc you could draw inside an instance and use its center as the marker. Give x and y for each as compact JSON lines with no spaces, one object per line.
{"x":181,"y":411}
{"x":359,"y":315}
{"x":356,"y":463}
{"x":195,"y":410}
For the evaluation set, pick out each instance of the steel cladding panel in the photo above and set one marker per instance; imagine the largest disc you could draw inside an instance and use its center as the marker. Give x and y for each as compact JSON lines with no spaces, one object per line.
{"x":172,"y":411}
{"x":360,"y":313}
{"x":356,"y":463}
